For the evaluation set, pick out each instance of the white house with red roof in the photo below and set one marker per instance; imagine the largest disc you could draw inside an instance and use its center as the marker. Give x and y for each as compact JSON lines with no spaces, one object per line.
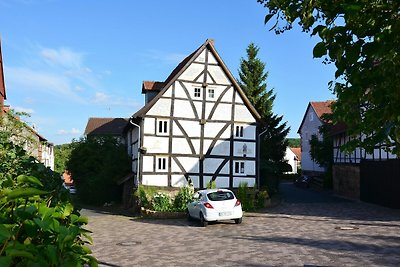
{"x":293,"y":158}
{"x":197,"y":126}
{"x":312,"y":121}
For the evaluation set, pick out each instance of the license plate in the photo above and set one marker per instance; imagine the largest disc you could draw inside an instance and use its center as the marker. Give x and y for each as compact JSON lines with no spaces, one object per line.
{"x":227,"y":213}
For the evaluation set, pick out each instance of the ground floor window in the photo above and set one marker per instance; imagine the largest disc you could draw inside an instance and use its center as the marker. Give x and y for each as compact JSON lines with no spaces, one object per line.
{"x":161,"y":163}
{"x":239,"y":167}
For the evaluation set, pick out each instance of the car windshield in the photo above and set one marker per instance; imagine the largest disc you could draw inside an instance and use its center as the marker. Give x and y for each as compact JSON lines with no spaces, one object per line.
{"x":220,"y":195}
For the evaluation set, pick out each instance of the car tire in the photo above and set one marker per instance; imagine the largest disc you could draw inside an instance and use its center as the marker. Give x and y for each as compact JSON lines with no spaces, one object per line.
{"x":238,"y":221}
{"x":203,"y":221}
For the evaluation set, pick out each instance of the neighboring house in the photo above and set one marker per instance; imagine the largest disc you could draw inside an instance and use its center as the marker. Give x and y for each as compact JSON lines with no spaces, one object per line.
{"x":107,"y":126}
{"x":293,"y":158}
{"x":312,"y":120}
{"x":197,"y":126}
{"x":36,"y":145}
{"x":371,"y":177}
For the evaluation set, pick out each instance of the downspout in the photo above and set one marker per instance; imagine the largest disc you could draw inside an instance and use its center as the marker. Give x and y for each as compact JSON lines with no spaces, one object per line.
{"x":258,"y":158}
{"x":136,"y":179}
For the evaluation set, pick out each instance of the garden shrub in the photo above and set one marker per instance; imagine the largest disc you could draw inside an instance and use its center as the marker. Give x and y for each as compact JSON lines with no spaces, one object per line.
{"x":162,"y":202}
{"x":246,"y":196}
{"x":211,"y":185}
{"x":184,"y":195}
{"x":262,"y":196}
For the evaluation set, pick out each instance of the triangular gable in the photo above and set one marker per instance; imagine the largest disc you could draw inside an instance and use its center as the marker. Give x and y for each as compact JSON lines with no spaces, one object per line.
{"x":185,"y":64}
{"x":2,"y":84}
{"x":319,"y":108}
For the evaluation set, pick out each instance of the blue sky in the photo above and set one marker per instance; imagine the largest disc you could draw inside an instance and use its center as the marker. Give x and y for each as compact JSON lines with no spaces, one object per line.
{"x":66,"y":61}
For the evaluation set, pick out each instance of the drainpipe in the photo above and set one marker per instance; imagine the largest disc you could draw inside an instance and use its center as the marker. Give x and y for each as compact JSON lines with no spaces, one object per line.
{"x":136,"y":179}
{"x":258,"y":157}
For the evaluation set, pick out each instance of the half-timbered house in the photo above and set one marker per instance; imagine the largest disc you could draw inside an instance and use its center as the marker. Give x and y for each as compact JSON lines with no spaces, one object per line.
{"x":196,"y":126}
{"x":368,"y":176}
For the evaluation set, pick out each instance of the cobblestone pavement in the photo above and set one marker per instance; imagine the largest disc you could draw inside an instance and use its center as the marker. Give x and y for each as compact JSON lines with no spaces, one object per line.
{"x":294,"y":233}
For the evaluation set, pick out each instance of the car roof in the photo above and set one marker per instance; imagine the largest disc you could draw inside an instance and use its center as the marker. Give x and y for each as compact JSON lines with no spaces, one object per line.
{"x":206,"y":191}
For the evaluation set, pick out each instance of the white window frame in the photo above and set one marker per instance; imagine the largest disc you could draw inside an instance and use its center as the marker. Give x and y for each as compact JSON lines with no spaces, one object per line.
{"x":211,"y":93}
{"x":197,"y":92}
{"x":161,"y":164}
{"x":239,"y":131}
{"x":239,"y":167}
{"x":162,"y":127}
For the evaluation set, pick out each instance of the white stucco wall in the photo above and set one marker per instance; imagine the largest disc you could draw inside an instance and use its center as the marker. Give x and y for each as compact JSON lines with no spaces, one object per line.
{"x":310,"y":127}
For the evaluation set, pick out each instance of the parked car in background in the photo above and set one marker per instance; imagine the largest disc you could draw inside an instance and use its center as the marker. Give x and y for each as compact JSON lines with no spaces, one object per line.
{"x":215,"y":205}
{"x":304,"y":181}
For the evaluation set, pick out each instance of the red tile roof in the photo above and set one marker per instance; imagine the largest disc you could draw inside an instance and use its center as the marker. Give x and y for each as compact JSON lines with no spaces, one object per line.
{"x":152,"y":86}
{"x":322,"y":108}
{"x":106,"y":126}
{"x":296,"y":151}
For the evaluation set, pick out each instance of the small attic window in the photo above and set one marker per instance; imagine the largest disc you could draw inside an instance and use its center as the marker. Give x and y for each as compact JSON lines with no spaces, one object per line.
{"x":311,"y":116}
{"x":211,"y":93}
{"x":197,"y":92}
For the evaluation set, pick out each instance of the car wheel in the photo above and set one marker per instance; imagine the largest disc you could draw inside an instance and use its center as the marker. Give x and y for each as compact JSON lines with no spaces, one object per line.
{"x":238,"y":221}
{"x":203,"y":221}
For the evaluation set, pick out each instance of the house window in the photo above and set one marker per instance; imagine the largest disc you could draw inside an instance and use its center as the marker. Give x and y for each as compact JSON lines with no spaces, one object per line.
{"x":162,"y":127}
{"x":239,"y":131}
{"x":311,"y":116}
{"x":211,"y":93}
{"x":161,"y":164}
{"x":239,"y":167}
{"x":197,"y":92}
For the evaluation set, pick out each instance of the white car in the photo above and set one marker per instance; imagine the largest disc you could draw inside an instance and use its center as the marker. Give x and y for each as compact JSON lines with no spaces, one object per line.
{"x":215,"y":205}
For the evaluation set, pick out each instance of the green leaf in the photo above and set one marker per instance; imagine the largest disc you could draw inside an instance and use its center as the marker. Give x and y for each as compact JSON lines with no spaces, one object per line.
{"x":29,"y":179}
{"x":318,"y":29}
{"x":24,"y":192}
{"x":52,"y":253}
{"x":19,"y":253}
{"x":4,"y":232}
{"x":319,"y":50}
{"x":267,"y":18}
{"x":5,"y":261}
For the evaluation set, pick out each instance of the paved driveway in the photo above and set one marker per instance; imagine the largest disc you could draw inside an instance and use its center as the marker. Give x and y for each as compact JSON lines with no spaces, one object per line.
{"x":308,"y":229}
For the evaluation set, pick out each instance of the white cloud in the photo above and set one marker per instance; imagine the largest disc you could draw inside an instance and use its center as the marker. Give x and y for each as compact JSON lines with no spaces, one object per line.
{"x":39,"y":80}
{"x":62,"y":56}
{"x":73,"y":131}
{"x":101,"y":98}
{"x":22,"y":109}
{"x":60,"y":72}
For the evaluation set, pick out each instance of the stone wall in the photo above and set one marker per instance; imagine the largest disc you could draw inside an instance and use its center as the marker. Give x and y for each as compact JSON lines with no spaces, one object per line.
{"x":346,"y":180}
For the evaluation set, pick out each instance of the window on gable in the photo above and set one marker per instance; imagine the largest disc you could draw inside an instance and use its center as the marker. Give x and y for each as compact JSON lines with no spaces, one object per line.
{"x":211,"y":93}
{"x":239,"y":131}
{"x":162,"y":127}
{"x":239,"y":167}
{"x":197,"y":92}
{"x":161,"y":164}
{"x":311,"y":116}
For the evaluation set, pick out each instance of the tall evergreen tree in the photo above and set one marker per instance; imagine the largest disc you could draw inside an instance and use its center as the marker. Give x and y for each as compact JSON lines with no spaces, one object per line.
{"x":253,"y":81}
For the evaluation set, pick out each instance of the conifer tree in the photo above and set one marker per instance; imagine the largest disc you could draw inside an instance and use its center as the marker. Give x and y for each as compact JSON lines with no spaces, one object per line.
{"x":273,"y":143}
